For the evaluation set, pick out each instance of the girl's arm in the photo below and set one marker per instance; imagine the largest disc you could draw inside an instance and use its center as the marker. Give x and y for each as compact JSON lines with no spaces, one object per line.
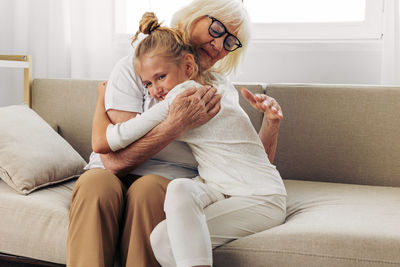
{"x":271,"y":121}
{"x":190,"y":109}
{"x":120,"y":135}
{"x":123,"y":134}
{"x":108,"y":137}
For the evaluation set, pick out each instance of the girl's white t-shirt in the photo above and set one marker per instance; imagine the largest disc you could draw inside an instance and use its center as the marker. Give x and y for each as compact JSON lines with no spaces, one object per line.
{"x":229,"y":151}
{"x":125,"y":92}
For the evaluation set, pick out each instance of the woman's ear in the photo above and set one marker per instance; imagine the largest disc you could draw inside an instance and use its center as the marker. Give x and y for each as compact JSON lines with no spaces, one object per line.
{"x":189,"y":64}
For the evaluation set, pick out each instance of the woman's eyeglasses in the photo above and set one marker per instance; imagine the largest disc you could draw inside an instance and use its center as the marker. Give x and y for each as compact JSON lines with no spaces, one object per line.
{"x":217,"y":29}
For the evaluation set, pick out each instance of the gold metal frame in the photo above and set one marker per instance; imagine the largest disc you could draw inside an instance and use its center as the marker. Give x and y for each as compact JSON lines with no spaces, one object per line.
{"x":27,"y":74}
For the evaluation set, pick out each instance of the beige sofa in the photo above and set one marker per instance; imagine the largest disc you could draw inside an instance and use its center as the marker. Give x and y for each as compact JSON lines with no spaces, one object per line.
{"x":338,"y":151}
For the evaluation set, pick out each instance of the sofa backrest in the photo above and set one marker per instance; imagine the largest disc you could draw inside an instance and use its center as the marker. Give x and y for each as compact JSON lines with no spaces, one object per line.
{"x":69,"y":104}
{"x":339,"y":133}
{"x":332,"y":133}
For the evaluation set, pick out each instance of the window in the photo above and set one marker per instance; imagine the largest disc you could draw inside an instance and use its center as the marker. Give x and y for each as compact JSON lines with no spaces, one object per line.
{"x":311,"y":11}
{"x":277,"y":19}
{"x":316,"y":19}
{"x":129,"y":12}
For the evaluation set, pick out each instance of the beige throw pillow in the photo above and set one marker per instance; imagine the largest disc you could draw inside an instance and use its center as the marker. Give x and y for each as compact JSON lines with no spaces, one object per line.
{"x":32,"y":154}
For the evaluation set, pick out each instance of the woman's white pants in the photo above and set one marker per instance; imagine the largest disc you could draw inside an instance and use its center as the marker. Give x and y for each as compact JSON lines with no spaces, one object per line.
{"x":199,"y":219}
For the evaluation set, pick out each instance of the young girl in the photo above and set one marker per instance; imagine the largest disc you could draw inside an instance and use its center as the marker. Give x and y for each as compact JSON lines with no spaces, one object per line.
{"x":233,"y":165}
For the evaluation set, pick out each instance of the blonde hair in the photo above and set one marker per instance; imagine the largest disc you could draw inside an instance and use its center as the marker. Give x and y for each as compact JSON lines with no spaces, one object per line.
{"x":230,"y":12}
{"x":170,"y":43}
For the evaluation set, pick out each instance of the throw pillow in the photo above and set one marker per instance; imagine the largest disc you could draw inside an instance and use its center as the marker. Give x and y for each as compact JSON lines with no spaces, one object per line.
{"x":32,"y":154}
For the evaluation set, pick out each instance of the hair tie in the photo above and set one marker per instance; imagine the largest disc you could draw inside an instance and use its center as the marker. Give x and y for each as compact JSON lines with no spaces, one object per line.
{"x":155,"y":28}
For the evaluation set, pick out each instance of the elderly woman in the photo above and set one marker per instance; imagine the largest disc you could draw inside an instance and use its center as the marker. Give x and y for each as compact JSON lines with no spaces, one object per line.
{"x":109,"y":211}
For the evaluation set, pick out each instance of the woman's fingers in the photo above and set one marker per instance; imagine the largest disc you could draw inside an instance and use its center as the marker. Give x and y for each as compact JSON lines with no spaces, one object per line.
{"x":202,"y":95}
{"x":188,"y":92}
{"x":205,"y":92}
{"x":194,"y":107}
{"x":210,"y":99}
{"x":214,"y":109}
{"x":215,"y":100}
{"x":208,"y":94}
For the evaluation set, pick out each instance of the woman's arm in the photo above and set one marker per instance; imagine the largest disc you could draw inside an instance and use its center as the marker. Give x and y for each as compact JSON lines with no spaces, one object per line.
{"x":271,"y":121}
{"x":190,"y":109}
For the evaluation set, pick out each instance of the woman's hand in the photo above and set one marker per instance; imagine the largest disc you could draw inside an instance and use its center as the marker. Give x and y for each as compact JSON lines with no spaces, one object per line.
{"x":193,"y":108}
{"x":271,"y":108}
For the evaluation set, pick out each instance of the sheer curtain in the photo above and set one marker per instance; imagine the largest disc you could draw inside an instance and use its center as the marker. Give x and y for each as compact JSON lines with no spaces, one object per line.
{"x":391,"y":44}
{"x":67,"y":38}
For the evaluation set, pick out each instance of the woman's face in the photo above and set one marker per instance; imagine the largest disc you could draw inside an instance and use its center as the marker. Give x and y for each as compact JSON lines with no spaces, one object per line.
{"x":209,"y":49}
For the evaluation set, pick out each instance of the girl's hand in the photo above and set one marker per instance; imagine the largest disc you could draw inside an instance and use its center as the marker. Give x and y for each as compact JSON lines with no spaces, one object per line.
{"x":272,"y":118}
{"x":271,"y":108}
{"x":101,"y":90}
{"x":100,"y":122}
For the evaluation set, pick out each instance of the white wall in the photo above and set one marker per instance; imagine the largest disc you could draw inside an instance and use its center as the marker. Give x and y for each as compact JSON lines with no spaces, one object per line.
{"x":290,"y":62}
{"x":293,"y":62}
{"x":11,"y":86}
{"x":312,"y":62}
{"x":353,"y":62}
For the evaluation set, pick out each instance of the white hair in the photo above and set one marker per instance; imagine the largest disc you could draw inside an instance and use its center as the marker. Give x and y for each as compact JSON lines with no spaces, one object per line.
{"x":230,"y":12}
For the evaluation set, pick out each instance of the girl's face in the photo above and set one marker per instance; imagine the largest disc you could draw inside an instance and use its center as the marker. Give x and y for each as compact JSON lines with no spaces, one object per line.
{"x":209,"y":49}
{"x":160,"y":76}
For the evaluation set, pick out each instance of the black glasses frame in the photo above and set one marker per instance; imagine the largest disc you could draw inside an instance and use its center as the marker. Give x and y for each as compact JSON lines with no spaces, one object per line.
{"x":226,"y":46}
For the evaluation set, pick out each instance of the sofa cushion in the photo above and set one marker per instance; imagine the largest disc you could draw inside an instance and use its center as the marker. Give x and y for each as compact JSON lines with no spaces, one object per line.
{"x":35,"y":225}
{"x":339,"y":133}
{"x":327,"y":224}
{"x":32,"y":154}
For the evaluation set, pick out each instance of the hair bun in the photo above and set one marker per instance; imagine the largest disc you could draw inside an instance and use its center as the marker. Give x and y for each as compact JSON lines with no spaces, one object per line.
{"x":148,"y":23}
